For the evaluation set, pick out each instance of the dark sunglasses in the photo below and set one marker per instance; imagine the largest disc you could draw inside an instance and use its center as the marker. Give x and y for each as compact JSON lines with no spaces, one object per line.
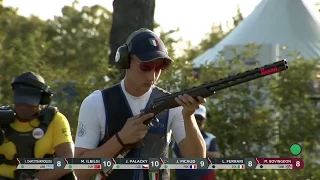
{"x":149,"y":66}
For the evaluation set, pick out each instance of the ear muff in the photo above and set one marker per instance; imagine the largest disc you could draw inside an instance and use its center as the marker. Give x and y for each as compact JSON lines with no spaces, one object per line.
{"x":46,"y":96}
{"x":122,"y":58}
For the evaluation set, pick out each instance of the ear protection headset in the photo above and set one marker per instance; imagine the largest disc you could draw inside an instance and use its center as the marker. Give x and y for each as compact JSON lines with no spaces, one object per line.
{"x":122,"y":57}
{"x":46,"y":95}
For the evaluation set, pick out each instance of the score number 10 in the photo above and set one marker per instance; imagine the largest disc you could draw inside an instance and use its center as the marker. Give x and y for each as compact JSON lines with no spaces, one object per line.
{"x":107,"y":163}
{"x":155,"y":163}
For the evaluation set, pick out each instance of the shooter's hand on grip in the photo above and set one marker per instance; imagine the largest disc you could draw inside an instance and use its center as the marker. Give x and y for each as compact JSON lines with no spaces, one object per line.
{"x":134,"y":129}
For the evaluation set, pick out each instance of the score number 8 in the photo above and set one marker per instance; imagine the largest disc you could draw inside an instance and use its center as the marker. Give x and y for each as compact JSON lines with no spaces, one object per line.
{"x":298,"y":163}
{"x":250,"y":163}
{"x":59,"y":163}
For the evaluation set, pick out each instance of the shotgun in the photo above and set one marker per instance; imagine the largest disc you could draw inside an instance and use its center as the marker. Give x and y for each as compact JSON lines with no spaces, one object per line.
{"x":204,"y":90}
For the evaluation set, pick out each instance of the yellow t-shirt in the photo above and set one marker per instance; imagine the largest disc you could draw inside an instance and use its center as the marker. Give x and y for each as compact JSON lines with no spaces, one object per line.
{"x":57,"y":133}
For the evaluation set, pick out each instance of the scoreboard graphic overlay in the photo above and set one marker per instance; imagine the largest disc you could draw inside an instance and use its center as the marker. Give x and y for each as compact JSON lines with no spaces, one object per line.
{"x":154,"y":164}
{"x":160,"y":163}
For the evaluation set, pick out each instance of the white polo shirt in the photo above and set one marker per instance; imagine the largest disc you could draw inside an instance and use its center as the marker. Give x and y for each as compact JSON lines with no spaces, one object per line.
{"x":92,"y":119}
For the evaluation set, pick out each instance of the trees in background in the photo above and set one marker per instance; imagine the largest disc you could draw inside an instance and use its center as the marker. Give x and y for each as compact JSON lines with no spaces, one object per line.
{"x":263,"y":118}
{"x":72,"y":53}
{"x":78,"y":51}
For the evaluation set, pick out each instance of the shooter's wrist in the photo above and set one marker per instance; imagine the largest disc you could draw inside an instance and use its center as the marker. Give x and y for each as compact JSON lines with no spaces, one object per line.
{"x":120,"y":138}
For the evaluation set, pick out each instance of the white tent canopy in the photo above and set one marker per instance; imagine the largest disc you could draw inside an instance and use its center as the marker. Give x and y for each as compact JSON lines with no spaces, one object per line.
{"x":277,"y":23}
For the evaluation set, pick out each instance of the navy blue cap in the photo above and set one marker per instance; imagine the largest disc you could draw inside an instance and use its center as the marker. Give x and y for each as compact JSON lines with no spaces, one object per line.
{"x":147,"y":46}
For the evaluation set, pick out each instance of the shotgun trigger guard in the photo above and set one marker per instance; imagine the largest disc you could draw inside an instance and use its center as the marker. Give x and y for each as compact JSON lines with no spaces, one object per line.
{"x":151,"y":123}
{"x":155,"y":122}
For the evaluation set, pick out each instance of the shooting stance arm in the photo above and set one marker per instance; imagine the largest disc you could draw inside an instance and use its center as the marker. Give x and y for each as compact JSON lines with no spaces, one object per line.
{"x":193,"y":145}
{"x":187,"y":135}
{"x":88,"y":134}
{"x":63,"y":143}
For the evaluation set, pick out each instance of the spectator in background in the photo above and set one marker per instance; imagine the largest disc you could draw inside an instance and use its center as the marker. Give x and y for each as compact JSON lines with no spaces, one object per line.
{"x":212,"y":151}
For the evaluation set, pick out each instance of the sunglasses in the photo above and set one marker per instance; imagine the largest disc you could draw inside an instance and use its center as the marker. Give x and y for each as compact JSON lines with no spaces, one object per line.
{"x":149,"y":66}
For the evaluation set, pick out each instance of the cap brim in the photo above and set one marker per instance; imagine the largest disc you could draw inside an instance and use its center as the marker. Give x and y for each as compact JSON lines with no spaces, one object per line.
{"x":151,"y":56}
{"x":29,"y":96}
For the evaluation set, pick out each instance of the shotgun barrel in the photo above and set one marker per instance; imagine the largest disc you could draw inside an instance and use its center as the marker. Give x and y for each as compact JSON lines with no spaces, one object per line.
{"x":209,"y":89}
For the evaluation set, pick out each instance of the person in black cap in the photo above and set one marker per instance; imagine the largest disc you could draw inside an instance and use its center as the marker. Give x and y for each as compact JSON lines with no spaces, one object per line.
{"x":37,"y":130}
{"x":110,"y":118}
{"x":27,"y":97}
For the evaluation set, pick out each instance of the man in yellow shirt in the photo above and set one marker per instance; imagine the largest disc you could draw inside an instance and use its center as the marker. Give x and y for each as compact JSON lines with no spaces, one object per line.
{"x":36,"y":131}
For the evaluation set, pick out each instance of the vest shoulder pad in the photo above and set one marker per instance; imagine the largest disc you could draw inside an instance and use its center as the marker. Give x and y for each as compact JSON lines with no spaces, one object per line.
{"x":110,"y":89}
{"x":48,"y":114}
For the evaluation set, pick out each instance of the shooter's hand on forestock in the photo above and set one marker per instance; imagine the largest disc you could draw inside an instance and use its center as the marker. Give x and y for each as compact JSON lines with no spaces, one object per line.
{"x":189,"y":103}
{"x":134,"y":129}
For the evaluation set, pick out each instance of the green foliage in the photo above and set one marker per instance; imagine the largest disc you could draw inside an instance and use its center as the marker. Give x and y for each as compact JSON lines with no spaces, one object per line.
{"x":69,"y":50}
{"x":79,"y":48}
{"x":22,"y":46}
{"x":260,"y":118}
{"x":264,"y":117}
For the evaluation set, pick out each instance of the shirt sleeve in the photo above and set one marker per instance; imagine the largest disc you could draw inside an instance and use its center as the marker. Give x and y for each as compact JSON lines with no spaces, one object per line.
{"x":88,"y":131}
{"x":213,"y":146}
{"x":178,"y":130}
{"x":61,"y":130}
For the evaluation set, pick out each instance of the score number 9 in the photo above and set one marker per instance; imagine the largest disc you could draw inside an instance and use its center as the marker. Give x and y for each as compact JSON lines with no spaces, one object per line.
{"x":201,"y":163}
{"x":107,"y":163}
